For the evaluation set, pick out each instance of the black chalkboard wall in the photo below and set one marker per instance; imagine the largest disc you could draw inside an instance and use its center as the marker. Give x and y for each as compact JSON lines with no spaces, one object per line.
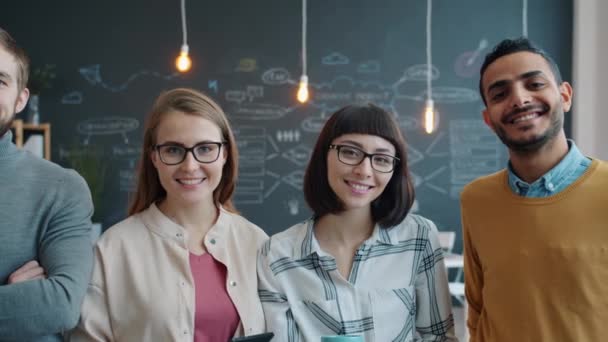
{"x":114,"y":57}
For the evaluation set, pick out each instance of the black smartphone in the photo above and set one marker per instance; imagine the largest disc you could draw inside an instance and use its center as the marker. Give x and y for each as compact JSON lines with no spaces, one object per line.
{"x":265,"y":337}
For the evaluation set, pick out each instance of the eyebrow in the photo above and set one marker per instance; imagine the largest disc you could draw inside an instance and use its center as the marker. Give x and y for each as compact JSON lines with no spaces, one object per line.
{"x":5,"y":75}
{"x":171,"y":142}
{"x":525,"y":75}
{"x":352,"y":142}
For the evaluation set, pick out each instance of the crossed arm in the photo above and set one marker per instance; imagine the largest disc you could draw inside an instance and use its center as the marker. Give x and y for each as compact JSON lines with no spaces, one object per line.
{"x":43,"y":297}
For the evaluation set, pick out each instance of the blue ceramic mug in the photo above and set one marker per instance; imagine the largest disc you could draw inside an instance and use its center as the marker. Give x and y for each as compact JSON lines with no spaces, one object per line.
{"x":342,"y":338}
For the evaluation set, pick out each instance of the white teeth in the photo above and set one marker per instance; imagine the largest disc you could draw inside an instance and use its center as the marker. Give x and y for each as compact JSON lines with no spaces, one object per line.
{"x":190,"y":181}
{"x":359,"y":187}
{"x":526,"y":117}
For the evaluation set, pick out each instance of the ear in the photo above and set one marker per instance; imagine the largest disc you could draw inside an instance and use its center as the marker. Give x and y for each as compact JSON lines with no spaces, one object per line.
{"x":224,"y":155}
{"x":154,"y":158}
{"x":565,"y":90}
{"x":486,"y":118}
{"x":24,"y":95}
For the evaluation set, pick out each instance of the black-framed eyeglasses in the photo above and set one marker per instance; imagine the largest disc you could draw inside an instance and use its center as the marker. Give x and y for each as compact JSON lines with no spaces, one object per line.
{"x":350,"y":155}
{"x":173,"y":154}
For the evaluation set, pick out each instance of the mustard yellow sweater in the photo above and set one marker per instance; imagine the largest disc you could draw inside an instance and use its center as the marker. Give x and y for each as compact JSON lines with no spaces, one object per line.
{"x":536,"y":269}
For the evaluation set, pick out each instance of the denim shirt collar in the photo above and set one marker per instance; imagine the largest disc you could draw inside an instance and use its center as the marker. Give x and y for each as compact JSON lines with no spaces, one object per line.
{"x":551,"y":180}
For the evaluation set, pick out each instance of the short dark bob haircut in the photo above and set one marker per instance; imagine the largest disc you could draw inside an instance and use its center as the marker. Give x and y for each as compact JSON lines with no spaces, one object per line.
{"x":510,"y":46}
{"x":392,"y":206}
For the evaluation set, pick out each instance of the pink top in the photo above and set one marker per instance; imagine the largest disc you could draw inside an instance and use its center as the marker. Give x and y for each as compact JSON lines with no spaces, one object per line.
{"x":215,"y":317}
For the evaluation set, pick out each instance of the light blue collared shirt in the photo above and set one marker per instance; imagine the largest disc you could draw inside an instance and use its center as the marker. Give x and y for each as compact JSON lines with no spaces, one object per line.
{"x":569,"y":169}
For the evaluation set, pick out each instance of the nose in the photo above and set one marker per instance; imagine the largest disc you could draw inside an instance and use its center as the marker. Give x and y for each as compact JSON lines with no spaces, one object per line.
{"x":364,"y":168}
{"x":520,"y":96}
{"x":189,"y":164}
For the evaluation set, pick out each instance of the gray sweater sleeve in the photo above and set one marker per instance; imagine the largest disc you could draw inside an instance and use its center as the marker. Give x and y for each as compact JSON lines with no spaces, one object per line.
{"x":41,"y":307}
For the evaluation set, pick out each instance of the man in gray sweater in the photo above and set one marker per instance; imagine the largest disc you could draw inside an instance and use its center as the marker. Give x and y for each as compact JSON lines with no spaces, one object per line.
{"x":45,"y":225}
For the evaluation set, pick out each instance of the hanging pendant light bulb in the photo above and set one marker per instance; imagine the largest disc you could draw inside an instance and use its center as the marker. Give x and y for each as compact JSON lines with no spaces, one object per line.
{"x":431,"y":119}
{"x":183,"y":62}
{"x":303,"y":87}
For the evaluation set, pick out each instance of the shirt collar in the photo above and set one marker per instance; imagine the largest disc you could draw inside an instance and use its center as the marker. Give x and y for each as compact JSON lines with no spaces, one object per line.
{"x":159,"y":223}
{"x":551,"y":180}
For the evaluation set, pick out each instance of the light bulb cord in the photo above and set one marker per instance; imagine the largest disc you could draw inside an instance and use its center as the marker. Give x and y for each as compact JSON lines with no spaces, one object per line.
{"x":304,"y":19}
{"x":429,"y":6}
{"x":184,"y":29}
{"x":524,"y":18}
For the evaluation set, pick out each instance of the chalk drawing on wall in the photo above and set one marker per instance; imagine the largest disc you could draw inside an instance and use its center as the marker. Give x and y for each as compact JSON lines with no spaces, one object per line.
{"x":335,"y":58}
{"x":298,"y":155}
{"x":474,"y":151}
{"x":237,"y":96}
{"x":468,"y":63}
{"x":107,"y":126}
{"x":247,"y":65}
{"x":369,"y":67}
{"x":432,"y":150}
{"x":293,"y":205}
{"x":92,"y":74}
{"x":213,"y":85}
{"x":295,"y":179}
{"x":276,"y":76}
{"x":453,"y":95}
{"x":259,"y":111}
{"x":291,"y":135}
{"x":72,"y":98}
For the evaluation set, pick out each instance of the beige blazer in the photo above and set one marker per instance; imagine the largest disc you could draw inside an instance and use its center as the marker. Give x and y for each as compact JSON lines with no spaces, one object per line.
{"x":142,"y":288}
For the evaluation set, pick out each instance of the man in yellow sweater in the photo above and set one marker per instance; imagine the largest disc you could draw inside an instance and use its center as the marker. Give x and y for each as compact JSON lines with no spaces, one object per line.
{"x":535,"y":233}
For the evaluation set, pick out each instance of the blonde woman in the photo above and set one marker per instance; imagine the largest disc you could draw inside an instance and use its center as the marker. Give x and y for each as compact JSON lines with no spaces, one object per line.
{"x":181,"y":267}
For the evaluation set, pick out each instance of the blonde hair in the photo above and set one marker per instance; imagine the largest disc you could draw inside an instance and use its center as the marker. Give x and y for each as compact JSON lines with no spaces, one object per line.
{"x":190,"y":102}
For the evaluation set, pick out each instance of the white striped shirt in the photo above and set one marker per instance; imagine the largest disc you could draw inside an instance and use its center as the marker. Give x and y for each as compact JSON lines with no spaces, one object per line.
{"x":397,"y":288}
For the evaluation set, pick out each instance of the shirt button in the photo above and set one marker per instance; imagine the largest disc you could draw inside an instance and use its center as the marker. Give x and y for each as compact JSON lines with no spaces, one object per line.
{"x":212,"y":241}
{"x":233,"y":283}
{"x":185,"y":332}
{"x":550,"y":186}
{"x":179,"y":235}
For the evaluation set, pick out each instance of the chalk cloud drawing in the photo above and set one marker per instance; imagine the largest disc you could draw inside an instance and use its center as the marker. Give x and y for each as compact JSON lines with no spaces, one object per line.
{"x":276,"y":76}
{"x":409,"y":123}
{"x":313,"y":124}
{"x":72,"y":98}
{"x":335,"y":58}
{"x":368,"y":67}
{"x":419,"y":72}
{"x":237,"y":96}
